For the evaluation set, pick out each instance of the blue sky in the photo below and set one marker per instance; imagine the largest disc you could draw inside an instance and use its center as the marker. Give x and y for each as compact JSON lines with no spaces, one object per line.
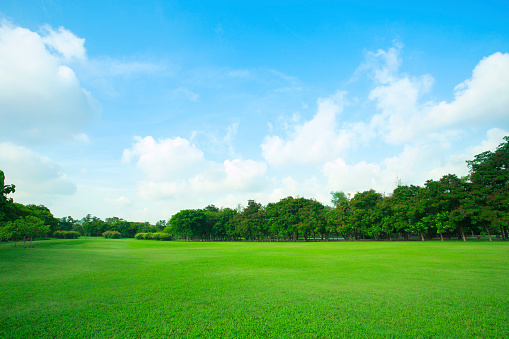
{"x":140,"y":109}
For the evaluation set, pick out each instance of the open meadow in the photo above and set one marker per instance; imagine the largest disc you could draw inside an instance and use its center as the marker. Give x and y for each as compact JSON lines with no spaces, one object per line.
{"x":104,"y":288}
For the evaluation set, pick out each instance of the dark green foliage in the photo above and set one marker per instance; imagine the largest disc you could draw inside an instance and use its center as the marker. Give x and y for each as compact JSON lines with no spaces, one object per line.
{"x":4,"y":191}
{"x":43,"y":213}
{"x":95,"y":227}
{"x":489,"y":174}
{"x":189,"y":224}
{"x":66,"y":234}
{"x":112,"y":235}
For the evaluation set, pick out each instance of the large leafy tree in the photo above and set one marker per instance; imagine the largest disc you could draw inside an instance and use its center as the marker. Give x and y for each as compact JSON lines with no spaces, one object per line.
{"x":363,"y":214}
{"x":446,"y":196}
{"x":251,"y":221}
{"x":403,"y":200}
{"x":188,"y":224}
{"x":312,"y":219}
{"x":489,"y":174}
{"x":339,"y":220}
{"x":94,"y":227}
{"x":43,"y":213}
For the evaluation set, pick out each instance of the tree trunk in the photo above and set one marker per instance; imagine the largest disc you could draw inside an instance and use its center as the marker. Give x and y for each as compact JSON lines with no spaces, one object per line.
{"x":422,"y":235}
{"x":463,"y":233}
{"x":31,"y":245}
{"x":24,"y":241}
{"x":441,"y":237}
{"x":344,"y":236}
{"x":488,"y":230}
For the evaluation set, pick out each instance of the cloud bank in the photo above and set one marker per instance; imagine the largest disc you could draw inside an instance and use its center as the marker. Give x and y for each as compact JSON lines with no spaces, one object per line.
{"x":41,"y":98}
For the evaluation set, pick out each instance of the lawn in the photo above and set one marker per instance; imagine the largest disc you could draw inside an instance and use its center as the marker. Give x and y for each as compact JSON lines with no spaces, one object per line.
{"x":106,"y":288}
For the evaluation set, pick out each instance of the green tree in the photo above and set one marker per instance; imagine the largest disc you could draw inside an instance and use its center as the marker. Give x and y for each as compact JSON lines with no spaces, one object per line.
{"x":250,"y":223}
{"x":364,"y":219}
{"x":35,"y":227}
{"x":66,"y":223}
{"x":25,"y":228}
{"x":489,"y":175}
{"x":4,"y":191}
{"x":339,"y":197}
{"x":446,"y":196}
{"x":43,"y":213}
{"x":311,"y":218}
{"x":339,"y":220}
{"x":95,"y":227}
{"x":188,"y":224}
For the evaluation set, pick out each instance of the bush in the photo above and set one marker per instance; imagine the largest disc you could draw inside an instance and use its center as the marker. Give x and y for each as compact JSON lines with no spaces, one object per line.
{"x":154,"y":236}
{"x":112,"y":235}
{"x":139,"y":236}
{"x":66,"y":234}
{"x":165,"y":236}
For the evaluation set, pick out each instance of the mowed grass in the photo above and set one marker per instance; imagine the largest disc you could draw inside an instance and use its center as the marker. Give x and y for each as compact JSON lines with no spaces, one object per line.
{"x":99,"y":288}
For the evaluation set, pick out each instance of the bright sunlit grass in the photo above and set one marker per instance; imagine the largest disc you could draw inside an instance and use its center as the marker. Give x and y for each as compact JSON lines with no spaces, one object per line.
{"x":94,"y":287}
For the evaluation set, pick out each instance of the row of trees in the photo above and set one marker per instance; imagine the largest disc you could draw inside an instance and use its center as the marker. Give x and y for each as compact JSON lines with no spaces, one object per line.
{"x":26,"y":228}
{"x":95,"y":227}
{"x":19,"y":222}
{"x":476,"y":204}
{"x":25,"y":222}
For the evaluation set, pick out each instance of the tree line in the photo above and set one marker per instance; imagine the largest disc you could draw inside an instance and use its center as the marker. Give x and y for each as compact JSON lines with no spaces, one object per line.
{"x":20,"y":222}
{"x":477,"y":204}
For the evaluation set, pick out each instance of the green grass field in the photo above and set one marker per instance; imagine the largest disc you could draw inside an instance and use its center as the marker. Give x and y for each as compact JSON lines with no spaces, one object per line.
{"x":94,"y":287}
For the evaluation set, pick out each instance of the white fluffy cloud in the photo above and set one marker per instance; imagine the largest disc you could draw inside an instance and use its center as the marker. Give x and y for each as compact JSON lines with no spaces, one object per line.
{"x":64,"y":42}
{"x":414,"y":165}
{"x":481,"y":99}
{"x":33,"y":174}
{"x":165,"y":159}
{"x":314,"y":141}
{"x":40,"y":97}
{"x":405,"y":138}
{"x":174,"y":168}
{"x":403,"y":116}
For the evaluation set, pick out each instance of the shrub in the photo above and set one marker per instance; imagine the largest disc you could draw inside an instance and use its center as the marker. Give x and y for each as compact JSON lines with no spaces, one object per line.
{"x":112,"y":235}
{"x":154,"y":236}
{"x":165,"y":236}
{"x":139,"y":236}
{"x":66,"y":234}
